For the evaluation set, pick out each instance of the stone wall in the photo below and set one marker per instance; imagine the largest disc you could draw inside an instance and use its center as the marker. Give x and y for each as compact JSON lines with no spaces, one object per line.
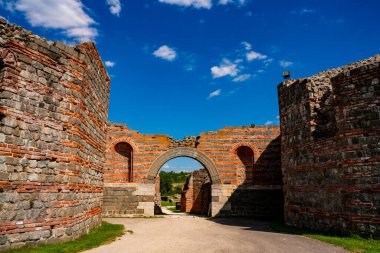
{"x":216,"y":150}
{"x":129,"y":200}
{"x":53,"y":112}
{"x":330,"y":126}
{"x":196,"y":193}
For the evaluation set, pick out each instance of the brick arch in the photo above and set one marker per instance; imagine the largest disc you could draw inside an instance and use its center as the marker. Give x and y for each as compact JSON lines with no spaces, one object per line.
{"x":256,"y":152}
{"x":186,"y":152}
{"x":111,"y":146}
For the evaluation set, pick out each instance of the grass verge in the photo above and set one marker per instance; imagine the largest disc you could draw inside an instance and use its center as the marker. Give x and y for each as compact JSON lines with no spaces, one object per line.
{"x":174,"y":209}
{"x":352,"y":243}
{"x":167,"y":203}
{"x":103,"y":234}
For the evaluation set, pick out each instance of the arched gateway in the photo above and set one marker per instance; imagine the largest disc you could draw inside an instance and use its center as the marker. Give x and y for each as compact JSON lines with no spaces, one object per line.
{"x":243,"y":164}
{"x":184,"y":152}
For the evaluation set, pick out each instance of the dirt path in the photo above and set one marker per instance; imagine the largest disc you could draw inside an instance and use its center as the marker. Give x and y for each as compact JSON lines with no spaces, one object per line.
{"x":187,"y":233}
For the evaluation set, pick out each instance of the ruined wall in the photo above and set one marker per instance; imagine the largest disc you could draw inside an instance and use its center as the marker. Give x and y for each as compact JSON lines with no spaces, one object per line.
{"x":53,"y":112}
{"x":220,"y":147}
{"x":196,"y":193}
{"x":330,"y":141}
{"x":238,"y":195}
{"x":187,"y":195}
{"x":135,"y":197}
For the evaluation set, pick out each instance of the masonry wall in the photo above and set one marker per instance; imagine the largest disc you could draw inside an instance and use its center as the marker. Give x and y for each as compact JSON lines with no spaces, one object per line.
{"x":196,"y":193}
{"x":53,"y":112}
{"x":220,"y":147}
{"x":330,"y":126}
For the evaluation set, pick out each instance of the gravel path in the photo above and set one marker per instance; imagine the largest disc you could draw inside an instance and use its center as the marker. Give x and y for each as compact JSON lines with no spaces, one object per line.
{"x":187,"y":233}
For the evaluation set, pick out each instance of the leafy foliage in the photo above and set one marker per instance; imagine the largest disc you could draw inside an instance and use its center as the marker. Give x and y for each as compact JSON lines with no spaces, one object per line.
{"x":171,"y":182}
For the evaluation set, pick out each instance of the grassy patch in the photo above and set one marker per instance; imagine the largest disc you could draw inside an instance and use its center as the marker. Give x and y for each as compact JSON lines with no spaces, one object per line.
{"x":167,"y":203}
{"x":103,"y":234}
{"x":174,"y":209}
{"x":352,"y":243}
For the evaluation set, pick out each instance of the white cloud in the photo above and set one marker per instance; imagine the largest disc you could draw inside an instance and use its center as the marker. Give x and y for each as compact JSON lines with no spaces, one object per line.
{"x":306,"y":11}
{"x":115,"y":7}
{"x":252,"y":55}
{"x":285,"y":64}
{"x":247,"y":46}
{"x":224,"y":2}
{"x":166,"y":166}
{"x":237,"y":2}
{"x":278,"y":117}
{"x":214,"y":93}
{"x":166,"y":53}
{"x":110,"y":64}
{"x":66,"y":15}
{"x":242,"y":78}
{"x":83,"y":34}
{"x":302,"y":11}
{"x":268,"y":122}
{"x":227,"y":68}
{"x":207,"y":4}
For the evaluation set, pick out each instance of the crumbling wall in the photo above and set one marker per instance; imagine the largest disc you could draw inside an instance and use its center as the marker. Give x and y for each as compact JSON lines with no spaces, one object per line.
{"x":330,"y":140}
{"x":196,"y":193}
{"x":257,"y":196}
{"x":53,"y":112}
{"x":134,"y":197}
{"x":125,"y":198}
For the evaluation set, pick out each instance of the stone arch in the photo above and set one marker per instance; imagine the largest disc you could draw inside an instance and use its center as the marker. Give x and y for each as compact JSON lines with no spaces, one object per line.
{"x":111,"y":146}
{"x":128,"y":157}
{"x":125,"y":156}
{"x":186,"y":152}
{"x":235,"y":148}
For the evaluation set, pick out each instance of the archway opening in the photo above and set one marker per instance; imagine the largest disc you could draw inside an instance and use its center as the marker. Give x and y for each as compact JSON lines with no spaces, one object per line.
{"x":247,"y":158}
{"x":183,"y":185}
{"x":124,"y":161}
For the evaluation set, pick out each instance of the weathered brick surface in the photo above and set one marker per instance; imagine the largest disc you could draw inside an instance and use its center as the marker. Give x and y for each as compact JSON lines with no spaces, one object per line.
{"x":196,"y":193}
{"x":53,"y":112}
{"x":219,"y":149}
{"x":330,"y":126}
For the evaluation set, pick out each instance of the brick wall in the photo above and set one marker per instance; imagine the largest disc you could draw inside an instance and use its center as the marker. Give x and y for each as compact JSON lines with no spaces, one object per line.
{"x":196,"y":193}
{"x":53,"y":112}
{"x":330,"y":140}
{"x":221,"y":149}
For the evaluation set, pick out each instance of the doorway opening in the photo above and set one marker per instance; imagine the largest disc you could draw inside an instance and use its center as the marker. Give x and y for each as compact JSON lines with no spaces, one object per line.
{"x":183,"y":185}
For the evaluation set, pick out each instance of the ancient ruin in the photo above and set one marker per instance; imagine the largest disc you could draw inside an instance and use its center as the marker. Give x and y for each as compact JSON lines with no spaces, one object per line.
{"x":241,"y":161}
{"x":330,"y":126}
{"x":63,"y":164}
{"x":196,"y":193}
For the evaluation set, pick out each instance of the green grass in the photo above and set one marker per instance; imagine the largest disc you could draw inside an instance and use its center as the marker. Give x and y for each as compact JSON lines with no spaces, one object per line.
{"x":174,"y":209}
{"x":167,"y":203}
{"x":352,"y":243}
{"x":103,"y":234}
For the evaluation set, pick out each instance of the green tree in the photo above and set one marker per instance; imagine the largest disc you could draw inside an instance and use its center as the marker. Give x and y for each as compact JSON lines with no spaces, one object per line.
{"x":165,"y":183}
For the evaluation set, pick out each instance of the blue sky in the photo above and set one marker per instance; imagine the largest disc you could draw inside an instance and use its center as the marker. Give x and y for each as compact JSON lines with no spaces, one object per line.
{"x":182,"y":67}
{"x":184,"y":164}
